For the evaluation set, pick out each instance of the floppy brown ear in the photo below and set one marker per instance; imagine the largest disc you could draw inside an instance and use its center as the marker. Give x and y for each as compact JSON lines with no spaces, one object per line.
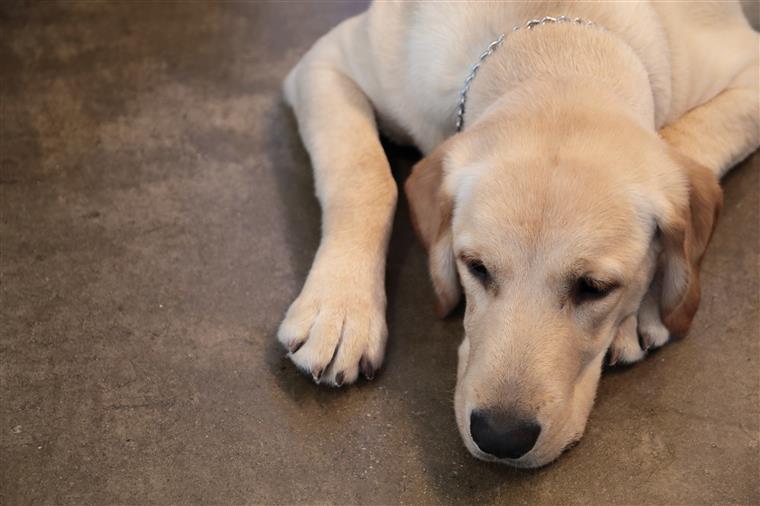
{"x":685,"y":239}
{"x":431,"y":209}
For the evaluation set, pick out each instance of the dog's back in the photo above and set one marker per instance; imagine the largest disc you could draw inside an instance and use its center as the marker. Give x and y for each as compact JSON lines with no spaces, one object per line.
{"x":412,"y":58}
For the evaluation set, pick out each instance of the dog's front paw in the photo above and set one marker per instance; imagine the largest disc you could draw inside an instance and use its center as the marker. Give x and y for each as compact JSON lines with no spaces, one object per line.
{"x":652,"y":332}
{"x":336,"y":330}
{"x":638,"y":334}
{"x":625,"y":347}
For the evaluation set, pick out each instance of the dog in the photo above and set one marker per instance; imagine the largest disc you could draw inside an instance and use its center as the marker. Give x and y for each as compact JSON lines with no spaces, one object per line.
{"x":569,"y":189}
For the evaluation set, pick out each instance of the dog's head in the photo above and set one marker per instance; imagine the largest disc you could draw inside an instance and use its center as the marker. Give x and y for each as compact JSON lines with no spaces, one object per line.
{"x":554,"y":235}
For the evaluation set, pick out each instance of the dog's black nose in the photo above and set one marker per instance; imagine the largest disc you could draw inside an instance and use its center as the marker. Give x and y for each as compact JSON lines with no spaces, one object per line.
{"x":503,"y":435}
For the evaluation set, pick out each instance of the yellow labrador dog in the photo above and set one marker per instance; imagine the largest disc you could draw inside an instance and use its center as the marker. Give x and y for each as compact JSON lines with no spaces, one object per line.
{"x":569,"y":190}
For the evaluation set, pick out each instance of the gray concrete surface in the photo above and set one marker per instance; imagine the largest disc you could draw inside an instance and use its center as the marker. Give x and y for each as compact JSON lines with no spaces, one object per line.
{"x":157,"y":217}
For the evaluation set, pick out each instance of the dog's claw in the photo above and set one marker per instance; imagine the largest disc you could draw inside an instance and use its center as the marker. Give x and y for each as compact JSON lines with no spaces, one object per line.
{"x":317,"y":374}
{"x":645,"y":341}
{"x":366,"y":367}
{"x":339,"y":379}
{"x":294,"y":346}
{"x":614,"y":357}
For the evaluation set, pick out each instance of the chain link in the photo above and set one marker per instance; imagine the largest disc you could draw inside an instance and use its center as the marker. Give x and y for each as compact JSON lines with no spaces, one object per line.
{"x":493,"y":46}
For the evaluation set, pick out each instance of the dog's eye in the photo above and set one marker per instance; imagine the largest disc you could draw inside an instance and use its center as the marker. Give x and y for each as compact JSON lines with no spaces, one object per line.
{"x":478,"y":270}
{"x":588,"y":289}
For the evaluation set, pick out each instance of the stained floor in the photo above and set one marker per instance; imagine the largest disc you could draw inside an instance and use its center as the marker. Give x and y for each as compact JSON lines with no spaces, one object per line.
{"x":156,"y":219}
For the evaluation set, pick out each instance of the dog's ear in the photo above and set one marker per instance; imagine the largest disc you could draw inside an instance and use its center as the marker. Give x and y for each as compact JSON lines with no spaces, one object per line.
{"x":685,"y":236}
{"x":431,"y":211}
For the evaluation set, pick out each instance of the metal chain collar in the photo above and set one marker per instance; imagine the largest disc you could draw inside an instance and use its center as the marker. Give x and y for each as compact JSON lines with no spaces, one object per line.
{"x":493,"y":46}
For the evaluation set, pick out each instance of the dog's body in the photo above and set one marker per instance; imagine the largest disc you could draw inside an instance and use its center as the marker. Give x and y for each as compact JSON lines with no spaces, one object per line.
{"x":591,"y":150}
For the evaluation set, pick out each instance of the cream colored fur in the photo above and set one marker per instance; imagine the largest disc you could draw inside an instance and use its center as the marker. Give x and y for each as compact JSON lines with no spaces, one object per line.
{"x":586,"y":152}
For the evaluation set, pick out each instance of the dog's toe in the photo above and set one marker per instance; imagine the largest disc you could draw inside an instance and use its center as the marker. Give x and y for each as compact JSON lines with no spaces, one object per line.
{"x":653,"y":334}
{"x":361,"y":350}
{"x":652,"y":331}
{"x":625,"y":348}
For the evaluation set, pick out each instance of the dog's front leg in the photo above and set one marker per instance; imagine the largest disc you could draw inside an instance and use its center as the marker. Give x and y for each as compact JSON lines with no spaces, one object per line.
{"x":336,"y":328}
{"x":717,"y":134}
{"x":723,"y":131}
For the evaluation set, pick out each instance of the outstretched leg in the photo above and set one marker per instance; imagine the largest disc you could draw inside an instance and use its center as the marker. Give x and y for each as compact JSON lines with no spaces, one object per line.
{"x":336,"y":327}
{"x":718,"y":135}
{"x":725,"y":130}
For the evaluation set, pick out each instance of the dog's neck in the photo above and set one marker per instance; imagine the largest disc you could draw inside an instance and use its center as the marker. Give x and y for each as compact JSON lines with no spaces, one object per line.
{"x":552,"y":64}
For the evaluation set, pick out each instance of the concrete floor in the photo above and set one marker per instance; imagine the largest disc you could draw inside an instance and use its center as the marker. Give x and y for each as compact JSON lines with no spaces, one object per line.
{"x":157,"y":218}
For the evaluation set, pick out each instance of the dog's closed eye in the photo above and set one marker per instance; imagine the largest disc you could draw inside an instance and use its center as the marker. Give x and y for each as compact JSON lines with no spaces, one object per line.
{"x":587,"y":289}
{"x":478,"y":270}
